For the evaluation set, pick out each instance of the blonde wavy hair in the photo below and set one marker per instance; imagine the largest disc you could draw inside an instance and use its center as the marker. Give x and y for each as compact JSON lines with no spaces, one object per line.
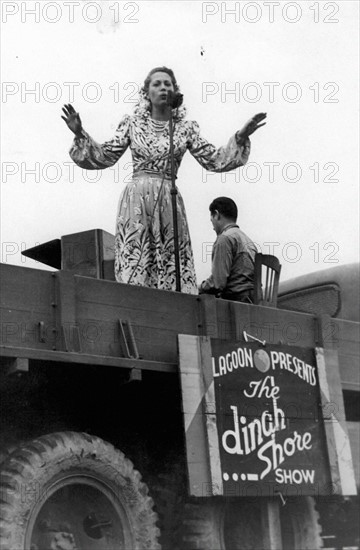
{"x":142,"y":108}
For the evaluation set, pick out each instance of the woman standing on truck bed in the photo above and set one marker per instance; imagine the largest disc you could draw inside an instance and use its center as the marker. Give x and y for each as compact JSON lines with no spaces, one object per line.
{"x":144,"y":239}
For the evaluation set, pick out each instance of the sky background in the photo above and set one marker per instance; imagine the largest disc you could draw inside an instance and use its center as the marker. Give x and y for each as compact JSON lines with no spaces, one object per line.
{"x":304,"y":53}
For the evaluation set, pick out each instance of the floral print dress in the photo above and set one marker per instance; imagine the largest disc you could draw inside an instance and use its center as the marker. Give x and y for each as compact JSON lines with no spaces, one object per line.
{"x":144,"y":237}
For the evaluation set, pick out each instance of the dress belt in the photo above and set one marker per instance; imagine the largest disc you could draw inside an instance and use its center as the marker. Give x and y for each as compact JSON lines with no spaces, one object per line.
{"x":153,"y":173}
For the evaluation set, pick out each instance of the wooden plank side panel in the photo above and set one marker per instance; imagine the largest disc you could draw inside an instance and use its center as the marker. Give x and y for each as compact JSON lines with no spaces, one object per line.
{"x":347,"y":334}
{"x":26,"y":298}
{"x":66,"y":312}
{"x":25,"y":289}
{"x":213,"y":442}
{"x":353,"y":429}
{"x":208,"y":325}
{"x":106,"y":292}
{"x":210,"y":416}
{"x":349,"y":371}
{"x":103,"y":338}
{"x":157,"y":317}
{"x":193,"y":391}
{"x":60,"y":357}
{"x":269,"y":324}
{"x":337,"y":438}
{"x":346,"y":338}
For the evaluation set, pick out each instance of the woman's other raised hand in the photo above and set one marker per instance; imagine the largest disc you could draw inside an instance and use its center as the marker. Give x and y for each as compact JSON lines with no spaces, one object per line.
{"x":72,"y":119}
{"x":251,"y":126}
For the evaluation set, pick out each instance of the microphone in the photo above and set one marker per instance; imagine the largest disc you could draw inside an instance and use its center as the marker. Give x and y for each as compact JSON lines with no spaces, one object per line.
{"x":174,"y":99}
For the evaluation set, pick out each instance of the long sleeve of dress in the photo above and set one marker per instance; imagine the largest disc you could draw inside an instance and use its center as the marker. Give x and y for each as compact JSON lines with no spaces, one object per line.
{"x":222,"y":159}
{"x":89,"y":154}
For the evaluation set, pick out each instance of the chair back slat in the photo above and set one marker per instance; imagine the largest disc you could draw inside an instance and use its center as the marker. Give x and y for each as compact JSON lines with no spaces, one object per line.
{"x":267,"y":269}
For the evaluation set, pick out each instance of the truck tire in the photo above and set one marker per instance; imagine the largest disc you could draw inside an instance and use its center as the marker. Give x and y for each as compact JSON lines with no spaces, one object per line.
{"x":222,"y":525}
{"x":299,"y":520}
{"x":301,"y":529}
{"x":215,"y":525}
{"x":202,"y":526}
{"x":168,"y":501}
{"x":73,"y":491}
{"x":339,"y":517}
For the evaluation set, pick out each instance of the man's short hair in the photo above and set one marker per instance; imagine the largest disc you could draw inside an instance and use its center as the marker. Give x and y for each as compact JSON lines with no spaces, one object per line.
{"x":224,"y":206}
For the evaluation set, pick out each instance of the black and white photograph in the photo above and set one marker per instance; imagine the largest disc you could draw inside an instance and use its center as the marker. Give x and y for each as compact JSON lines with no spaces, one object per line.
{"x":180,"y":282}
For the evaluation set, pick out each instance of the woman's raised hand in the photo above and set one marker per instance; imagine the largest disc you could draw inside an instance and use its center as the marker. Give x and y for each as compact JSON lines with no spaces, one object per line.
{"x":72,"y":119}
{"x":252,"y":125}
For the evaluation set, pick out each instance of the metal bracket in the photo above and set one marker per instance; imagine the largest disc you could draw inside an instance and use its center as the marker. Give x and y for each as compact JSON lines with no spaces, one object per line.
{"x":135,"y":375}
{"x":72,"y":341}
{"x":283,"y":501}
{"x":18,"y":365}
{"x":42,"y":332}
{"x":128,"y":341}
{"x":248,"y":336}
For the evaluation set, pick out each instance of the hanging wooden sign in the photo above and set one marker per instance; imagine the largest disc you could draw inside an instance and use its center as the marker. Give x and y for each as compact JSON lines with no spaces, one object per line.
{"x":254,"y":420}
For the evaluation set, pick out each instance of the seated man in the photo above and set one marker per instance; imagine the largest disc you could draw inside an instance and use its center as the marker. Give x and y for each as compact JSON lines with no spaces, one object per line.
{"x":233,"y":256}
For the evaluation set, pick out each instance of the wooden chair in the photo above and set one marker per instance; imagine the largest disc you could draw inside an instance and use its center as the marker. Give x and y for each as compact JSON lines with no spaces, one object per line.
{"x":266,"y":279}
